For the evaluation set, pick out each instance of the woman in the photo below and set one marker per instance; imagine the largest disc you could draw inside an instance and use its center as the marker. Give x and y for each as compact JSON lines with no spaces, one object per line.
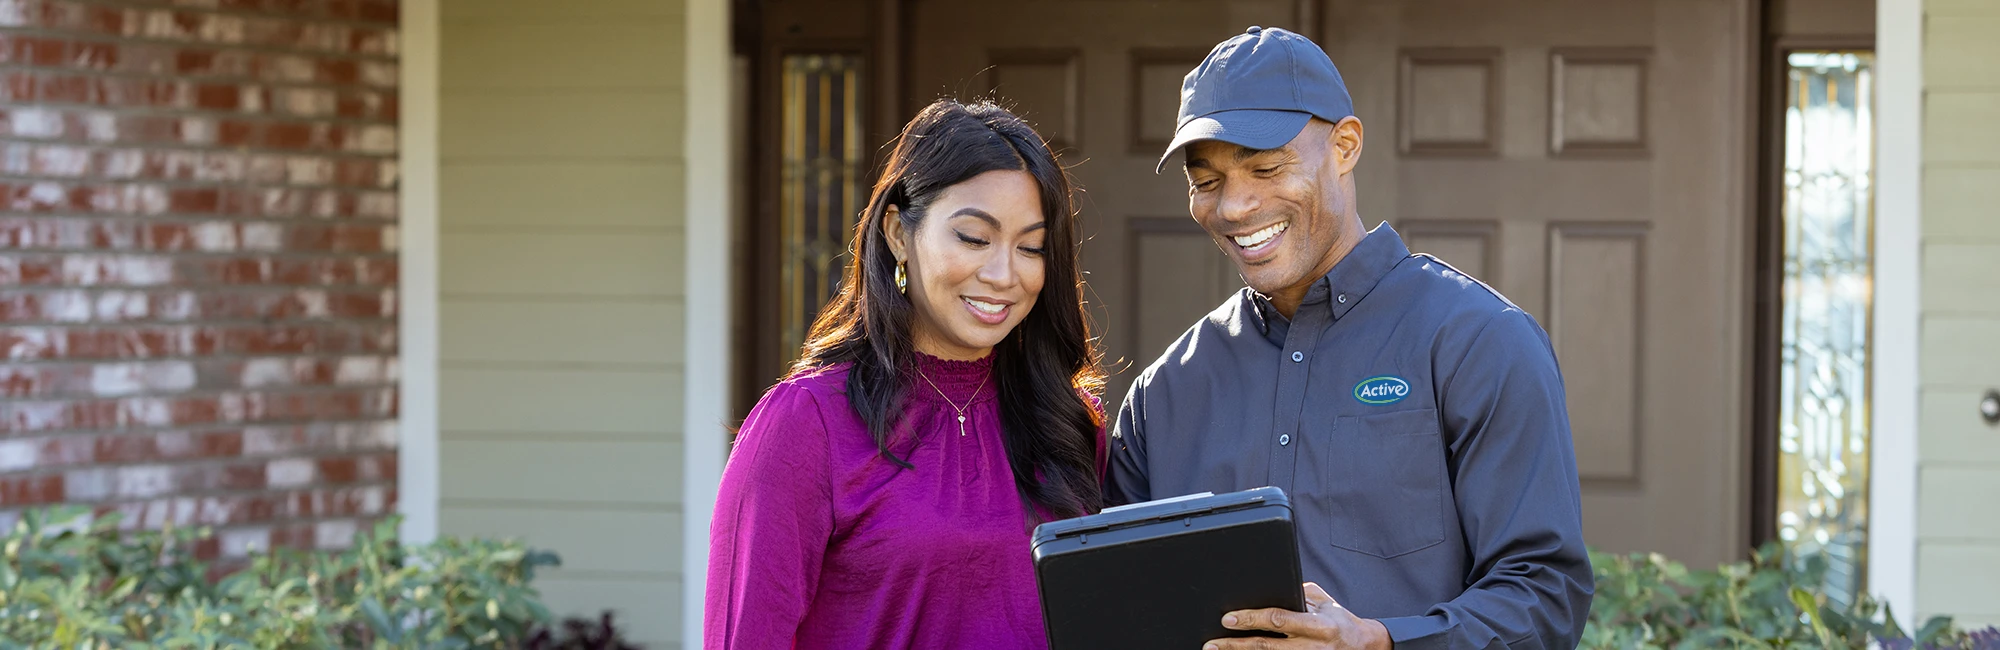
{"x":882,"y":495}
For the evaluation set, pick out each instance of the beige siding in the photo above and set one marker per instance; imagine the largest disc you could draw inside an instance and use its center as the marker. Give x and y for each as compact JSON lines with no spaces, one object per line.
{"x":562,"y":352}
{"x":1958,"y":536}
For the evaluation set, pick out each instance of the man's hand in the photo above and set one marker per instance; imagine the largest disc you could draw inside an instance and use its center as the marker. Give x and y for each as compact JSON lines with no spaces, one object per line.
{"x":1325,"y":625}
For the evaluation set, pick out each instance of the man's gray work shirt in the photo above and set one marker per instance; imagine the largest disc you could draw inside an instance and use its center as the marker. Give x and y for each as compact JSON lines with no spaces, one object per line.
{"x":1416,"y":420}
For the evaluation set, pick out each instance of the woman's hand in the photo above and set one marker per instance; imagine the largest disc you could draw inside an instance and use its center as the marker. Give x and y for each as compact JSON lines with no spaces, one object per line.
{"x":1325,"y":625}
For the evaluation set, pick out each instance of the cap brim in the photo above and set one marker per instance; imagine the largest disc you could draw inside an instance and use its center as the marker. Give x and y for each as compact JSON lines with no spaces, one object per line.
{"x":1252,"y":128}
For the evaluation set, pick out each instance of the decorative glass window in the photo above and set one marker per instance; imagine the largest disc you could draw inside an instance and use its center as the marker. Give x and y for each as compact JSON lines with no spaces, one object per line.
{"x":820,"y":188}
{"x":1828,"y":212}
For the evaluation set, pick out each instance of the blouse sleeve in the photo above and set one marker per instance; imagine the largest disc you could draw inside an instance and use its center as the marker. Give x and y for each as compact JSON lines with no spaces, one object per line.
{"x":773,"y":520}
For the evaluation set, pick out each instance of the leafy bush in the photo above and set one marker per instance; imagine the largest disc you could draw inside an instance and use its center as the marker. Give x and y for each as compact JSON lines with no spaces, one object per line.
{"x":1769,"y":602}
{"x":70,"y":582}
{"x":579,"y":634}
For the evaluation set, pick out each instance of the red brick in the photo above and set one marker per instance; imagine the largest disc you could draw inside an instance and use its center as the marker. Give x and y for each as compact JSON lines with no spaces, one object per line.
{"x":379,"y":467}
{"x":217,"y":97}
{"x":181,"y":205}
{"x":178,"y":446}
{"x":23,"y":381}
{"x":195,"y":61}
{"x":124,"y":413}
{"x":93,"y":56}
{"x":208,"y":549}
{"x":300,"y":536}
{"x":380,"y":11}
{"x":227,"y":477}
{"x":340,"y":72}
{"x":339,"y":470}
{"x":31,"y":490}
{"x":32,"y":50}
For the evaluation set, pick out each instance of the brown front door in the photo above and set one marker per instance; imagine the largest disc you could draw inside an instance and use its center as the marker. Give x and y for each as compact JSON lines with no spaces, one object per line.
{"x":1588,"y":159}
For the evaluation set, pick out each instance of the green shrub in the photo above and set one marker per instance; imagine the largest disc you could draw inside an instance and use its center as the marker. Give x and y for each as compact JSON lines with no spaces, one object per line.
{"x":1647,"y":601}
{"x":70,"y":584}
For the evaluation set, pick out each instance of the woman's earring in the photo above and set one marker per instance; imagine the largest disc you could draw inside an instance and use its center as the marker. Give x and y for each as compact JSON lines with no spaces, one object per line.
{"x":902,"y":279}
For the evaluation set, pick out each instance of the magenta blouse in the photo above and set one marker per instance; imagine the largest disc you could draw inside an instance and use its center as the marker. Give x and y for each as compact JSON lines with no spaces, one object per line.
{"x":819,"y":542}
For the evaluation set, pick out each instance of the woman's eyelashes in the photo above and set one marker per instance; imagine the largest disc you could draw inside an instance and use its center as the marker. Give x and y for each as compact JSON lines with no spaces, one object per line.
{"x":976,"y":242}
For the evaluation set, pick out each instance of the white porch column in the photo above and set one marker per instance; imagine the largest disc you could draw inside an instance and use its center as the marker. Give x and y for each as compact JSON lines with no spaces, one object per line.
{"x":417,"y":273}
{"x":1892,"y":508}
{"x":708,"y":290}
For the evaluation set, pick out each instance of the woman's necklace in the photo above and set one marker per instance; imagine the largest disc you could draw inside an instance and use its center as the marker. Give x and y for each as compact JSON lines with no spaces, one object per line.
{"x":954,"y":405}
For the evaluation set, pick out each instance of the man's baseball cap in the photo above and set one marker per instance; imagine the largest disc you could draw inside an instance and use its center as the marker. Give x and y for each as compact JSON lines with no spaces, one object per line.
{"x":1258,"y":89}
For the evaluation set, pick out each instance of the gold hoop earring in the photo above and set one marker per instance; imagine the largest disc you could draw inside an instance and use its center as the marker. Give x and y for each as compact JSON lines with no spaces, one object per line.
{"x":902,"y":279}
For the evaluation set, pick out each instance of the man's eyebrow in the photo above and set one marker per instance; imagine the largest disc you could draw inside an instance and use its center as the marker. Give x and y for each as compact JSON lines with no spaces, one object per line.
{"x":1241,"y":154}
{"x":1246,"y":153}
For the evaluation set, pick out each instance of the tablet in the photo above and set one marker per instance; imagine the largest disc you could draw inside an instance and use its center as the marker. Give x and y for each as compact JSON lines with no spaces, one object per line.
{"x":1161,"y":574}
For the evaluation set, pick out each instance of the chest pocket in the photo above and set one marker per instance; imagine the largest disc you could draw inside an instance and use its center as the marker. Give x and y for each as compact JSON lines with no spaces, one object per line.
{"x":1389,"y":484}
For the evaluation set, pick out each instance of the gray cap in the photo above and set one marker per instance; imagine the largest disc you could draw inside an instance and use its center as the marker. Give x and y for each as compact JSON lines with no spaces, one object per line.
{"x":1258,"y":89}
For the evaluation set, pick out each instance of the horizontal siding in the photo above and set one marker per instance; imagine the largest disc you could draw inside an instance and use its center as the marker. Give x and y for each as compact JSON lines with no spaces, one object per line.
{"x":457,"y":13}
{"x":1959,"y":351}
{"x":1948,"y":8}
{"x":1952,"y":431}
{"x":644,"y":54}
{"x":1945,"y":43}
{"x":1959,"y":578}
{"x":626,"y":472}
{"x":591,"y":541}
{"x":562,"y":264}
{"x":559,"y":401}
{"x":1958,"y":557}
{"x":1977,"y":141}
{"x":1952,"y":494}
{"x":615,"y":124}
{"x":1959,"y":204}
{"x":561,"y":253}
{"x":627,"y":195}
{"x":1962,"y":279}
{"x":626,"y":335}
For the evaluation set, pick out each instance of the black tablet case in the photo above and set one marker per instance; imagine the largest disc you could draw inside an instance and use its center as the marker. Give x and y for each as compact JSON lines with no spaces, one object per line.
{"x":1162,"y":574}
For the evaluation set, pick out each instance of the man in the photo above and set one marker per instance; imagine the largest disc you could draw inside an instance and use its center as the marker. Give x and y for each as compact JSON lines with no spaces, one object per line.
{"x":1414,"y":416}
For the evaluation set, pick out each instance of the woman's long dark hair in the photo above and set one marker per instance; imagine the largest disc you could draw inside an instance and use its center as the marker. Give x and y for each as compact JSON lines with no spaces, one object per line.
{"x":1043,"y":368}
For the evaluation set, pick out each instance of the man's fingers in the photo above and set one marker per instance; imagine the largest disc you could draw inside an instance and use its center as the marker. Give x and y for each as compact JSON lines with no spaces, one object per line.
{"x":1256,"y":619}
{"x":1253,"y":643}
{"x":1282,"y":621}
{"x":1317,"y":597}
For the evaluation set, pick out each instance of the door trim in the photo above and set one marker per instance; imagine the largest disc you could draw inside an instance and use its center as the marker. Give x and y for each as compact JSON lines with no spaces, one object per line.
{"x":1768,"y":341}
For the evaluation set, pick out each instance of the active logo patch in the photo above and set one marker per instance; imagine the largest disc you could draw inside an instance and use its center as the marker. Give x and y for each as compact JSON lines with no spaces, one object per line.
{"x":1382,"y":390}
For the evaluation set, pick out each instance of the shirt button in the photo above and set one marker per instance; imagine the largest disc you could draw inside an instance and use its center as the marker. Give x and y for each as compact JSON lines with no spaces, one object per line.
{"x":1284,"y":439}
{"x":1298,"y":356}
{"x":1342,"y":298}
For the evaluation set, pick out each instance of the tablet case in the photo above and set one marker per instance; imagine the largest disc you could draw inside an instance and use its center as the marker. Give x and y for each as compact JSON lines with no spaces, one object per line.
{"x":1161,"y":574}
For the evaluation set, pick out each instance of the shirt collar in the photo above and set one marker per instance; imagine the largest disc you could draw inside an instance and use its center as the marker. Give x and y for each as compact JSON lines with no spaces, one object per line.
{"x":1351,"y":279}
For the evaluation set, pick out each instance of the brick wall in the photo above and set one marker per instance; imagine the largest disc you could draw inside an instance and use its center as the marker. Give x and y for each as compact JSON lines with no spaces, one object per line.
{"x":197,"y":263}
